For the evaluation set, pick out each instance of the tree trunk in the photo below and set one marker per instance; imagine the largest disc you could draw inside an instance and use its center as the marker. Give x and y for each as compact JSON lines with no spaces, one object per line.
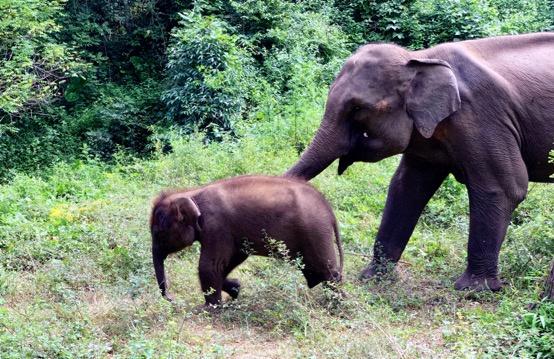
{"x":549,"y":286}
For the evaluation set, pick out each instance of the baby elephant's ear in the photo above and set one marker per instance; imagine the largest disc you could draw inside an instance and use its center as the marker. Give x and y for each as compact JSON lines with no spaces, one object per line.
{"x":187,"y":211}
{"x":160,"y":219}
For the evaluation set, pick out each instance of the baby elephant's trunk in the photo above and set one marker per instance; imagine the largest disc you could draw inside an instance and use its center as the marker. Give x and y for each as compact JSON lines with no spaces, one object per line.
{"x":159,"y":256}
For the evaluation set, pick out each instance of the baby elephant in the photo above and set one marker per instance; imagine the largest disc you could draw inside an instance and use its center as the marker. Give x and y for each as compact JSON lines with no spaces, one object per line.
{"x":235,"y":217}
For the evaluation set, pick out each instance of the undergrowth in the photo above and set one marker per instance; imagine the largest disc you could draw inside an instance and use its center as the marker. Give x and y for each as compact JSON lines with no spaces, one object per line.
{"x":76,"y":278}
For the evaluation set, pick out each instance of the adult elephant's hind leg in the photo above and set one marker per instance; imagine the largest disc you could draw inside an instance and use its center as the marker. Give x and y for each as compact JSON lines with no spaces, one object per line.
{"x":411,"y":187}
{"x":490,"y":214}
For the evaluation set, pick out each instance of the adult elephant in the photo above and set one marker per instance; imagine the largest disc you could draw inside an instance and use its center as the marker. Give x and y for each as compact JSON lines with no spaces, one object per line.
{"x":482,"y":110}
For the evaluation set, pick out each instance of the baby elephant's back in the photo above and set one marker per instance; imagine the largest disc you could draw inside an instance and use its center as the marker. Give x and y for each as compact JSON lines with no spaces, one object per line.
{"x":278,"y":208}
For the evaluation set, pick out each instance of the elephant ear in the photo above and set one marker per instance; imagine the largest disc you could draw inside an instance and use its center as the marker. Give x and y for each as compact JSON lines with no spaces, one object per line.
{"x":433,"y":94}
{"x":187,"y":211}
{"x":160,"y":219}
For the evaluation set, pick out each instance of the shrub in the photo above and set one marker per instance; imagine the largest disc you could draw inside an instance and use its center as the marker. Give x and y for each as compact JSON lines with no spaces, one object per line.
{"x":423,"y":23}
{"x":219,"y":71}
{"x":304,"y":39}
{"x":206,"y":74}
{"x":36,"y":142}
{"x":125,"y":39}
{"x":33,"y":62}
{"x":121,"y":118}
{"x":442,"y":21}
{"x":537,"y":332}
{"x":521,"y":16}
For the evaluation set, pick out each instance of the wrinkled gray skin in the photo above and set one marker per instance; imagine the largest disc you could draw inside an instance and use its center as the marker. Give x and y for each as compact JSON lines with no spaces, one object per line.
{"x":482,"y":110}
{"x":234,"y":218}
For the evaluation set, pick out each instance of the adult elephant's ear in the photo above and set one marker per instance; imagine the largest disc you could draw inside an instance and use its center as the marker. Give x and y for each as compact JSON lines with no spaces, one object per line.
{"x":433,"y":94}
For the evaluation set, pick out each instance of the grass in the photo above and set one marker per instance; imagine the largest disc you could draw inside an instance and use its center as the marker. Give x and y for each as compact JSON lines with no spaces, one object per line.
{"x":76,"y":278}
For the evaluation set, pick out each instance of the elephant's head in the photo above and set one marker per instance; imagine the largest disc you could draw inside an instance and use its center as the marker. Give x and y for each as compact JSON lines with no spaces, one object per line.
{"x":174,"y":225}
{"x":381,"y":94}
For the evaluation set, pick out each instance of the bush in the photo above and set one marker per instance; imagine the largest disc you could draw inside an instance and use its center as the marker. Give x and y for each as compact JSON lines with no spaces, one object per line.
{"x":33,"y":66}
{"x":306,"y":54}
{"x":304,"y":39}
{"x":521,"y":16}
{"x":222,"y":71}
{"x":207,"y":73}
{"x":125,"y":39}
{"x":436,"y":21}
{"x":36,"y":142}
{"x":120,"y":118}
{"x":537,"y":332}
{"x":33,"y":62}
{"x":423,"y":23}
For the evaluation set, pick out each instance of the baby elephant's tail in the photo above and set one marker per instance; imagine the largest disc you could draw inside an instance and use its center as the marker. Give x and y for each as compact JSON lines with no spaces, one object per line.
{"x":339,"y":246}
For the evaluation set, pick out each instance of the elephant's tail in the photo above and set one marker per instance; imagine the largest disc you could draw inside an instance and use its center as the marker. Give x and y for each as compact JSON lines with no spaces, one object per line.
{"x":339,"y":246}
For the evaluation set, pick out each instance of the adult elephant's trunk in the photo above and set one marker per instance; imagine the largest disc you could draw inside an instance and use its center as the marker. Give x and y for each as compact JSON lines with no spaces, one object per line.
{"x":158,"y":257}
{"x":331,"y":141}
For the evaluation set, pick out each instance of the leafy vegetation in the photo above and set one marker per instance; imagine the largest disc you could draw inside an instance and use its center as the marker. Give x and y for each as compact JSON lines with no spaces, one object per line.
{"x":76,"y":276}
{"x":105,"y":103}
{"x":33,"y":61}
{"x":207,"y":75}
{"x":197,"y":64}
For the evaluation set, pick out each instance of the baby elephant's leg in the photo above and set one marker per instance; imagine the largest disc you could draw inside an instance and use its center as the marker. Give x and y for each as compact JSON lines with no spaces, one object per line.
{"x":211,"y":279}
{"x":231,"y":285}
{"x":329,"y":277}
{"x":315,"y":276}
{"x":320,"y":262}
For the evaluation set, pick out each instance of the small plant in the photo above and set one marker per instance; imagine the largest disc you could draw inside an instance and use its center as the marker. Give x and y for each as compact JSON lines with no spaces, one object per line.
{"x":538,"y":332}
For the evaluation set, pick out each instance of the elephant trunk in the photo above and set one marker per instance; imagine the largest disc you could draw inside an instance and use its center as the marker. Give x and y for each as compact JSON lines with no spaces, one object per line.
{"x":158,"y":257}
{"x":330,"y":142}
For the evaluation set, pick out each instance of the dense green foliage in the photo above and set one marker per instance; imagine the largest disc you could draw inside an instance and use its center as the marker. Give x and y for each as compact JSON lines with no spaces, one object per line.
{"x":34,"y":64}
{"x":207,"y":74}
{"x":33,"y":61}
{"x":423,"y":23}
{"x":111,"y":75}
{"x":105,"y":103}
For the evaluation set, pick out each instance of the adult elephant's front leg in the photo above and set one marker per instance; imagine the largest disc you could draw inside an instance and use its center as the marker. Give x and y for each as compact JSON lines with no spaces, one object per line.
{"x":490,"y":214}
{"x":411,"y":187}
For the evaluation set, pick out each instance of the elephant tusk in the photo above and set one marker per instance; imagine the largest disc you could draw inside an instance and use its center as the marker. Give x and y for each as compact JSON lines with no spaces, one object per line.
{"x":365,"y":134}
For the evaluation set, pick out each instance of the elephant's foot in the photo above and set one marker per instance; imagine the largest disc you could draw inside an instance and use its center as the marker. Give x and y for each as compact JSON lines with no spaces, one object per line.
{"x":335,"y":289}
{"x":469,"y":281}
{"x":232,"y":287}
{"x":210,"y":309}
{"x":376,"y":271}
{"x":168,"y":297}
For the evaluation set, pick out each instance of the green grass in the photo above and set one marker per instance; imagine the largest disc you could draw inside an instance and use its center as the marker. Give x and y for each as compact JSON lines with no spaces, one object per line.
{"x":76,"y":278}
